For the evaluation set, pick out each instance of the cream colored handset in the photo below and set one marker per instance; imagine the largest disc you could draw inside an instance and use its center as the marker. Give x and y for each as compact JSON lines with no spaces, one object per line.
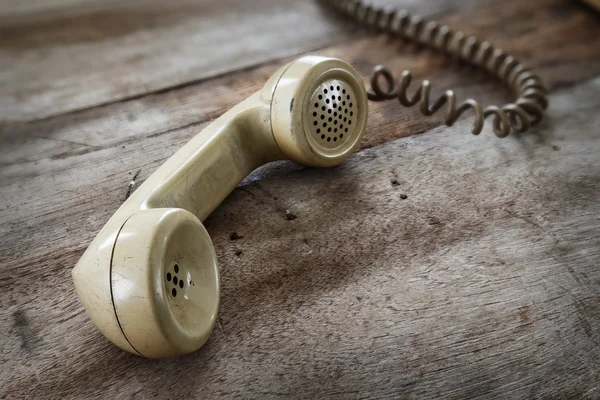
{"x":150,"y":280}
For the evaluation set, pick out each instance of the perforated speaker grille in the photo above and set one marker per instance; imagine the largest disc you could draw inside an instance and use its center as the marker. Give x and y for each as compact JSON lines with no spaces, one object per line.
{"x":333,"y":113}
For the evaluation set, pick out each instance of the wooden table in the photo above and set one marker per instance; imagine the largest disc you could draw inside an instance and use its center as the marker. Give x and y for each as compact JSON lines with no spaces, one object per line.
{"x":431,"y":264}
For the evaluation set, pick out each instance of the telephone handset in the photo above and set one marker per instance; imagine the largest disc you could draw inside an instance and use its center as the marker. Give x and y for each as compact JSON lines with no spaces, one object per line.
{"x":150,"y":279}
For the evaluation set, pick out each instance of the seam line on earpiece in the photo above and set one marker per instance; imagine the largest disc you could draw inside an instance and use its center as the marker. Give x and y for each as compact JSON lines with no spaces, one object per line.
{"x":112,"y":299}
{"x":271,"y":106}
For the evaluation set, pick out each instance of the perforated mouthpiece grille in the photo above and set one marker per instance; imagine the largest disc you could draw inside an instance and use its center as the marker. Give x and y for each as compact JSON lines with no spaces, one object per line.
{"x":333,"y":112}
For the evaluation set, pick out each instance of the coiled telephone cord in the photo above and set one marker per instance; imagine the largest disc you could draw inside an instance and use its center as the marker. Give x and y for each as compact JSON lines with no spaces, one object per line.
{"x":519,"y":116}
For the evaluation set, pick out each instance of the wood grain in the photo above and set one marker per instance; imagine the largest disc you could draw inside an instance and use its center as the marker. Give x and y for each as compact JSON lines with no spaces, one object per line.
{"x":550,"y":30}
{"x":483,"y":282}
{"x":60,"y":57}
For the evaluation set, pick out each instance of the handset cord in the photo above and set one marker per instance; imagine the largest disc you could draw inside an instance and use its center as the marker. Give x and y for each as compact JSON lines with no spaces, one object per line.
{"x":525,"y":111}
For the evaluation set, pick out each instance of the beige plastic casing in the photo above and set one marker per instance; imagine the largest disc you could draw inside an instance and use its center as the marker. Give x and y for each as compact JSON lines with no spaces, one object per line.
{"x":125,"y":278}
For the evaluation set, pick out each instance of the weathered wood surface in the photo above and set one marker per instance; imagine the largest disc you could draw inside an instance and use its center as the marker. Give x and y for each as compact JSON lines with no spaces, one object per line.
{"x":61,"y":56}
{"x":483,"y":282}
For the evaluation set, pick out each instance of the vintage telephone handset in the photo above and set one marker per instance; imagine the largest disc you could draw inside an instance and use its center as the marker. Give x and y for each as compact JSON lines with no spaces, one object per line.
{"x":150,"y":280}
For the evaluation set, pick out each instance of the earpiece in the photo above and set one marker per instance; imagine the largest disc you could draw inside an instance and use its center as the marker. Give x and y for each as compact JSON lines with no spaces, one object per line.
{"x":150,"y":279}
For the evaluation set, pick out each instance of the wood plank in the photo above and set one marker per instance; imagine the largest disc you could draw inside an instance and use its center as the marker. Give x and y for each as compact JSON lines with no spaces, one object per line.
{"x":70,"y":55}
{"x":482,"y":282}
{"x":97,"y":151}
{"x":550,"y":30}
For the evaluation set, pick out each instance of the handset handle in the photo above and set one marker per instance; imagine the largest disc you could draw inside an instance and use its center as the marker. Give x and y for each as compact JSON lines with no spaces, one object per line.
{"x":202,"y":173}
